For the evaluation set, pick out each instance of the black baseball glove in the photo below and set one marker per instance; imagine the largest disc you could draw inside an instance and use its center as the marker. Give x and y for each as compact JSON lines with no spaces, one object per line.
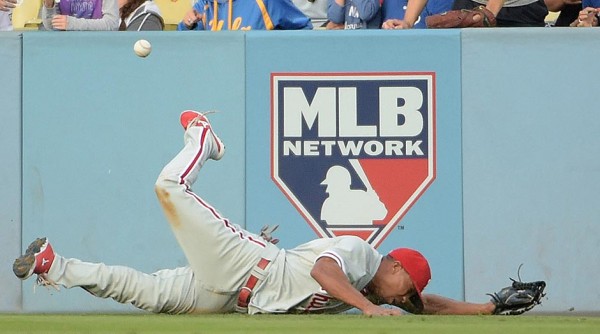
{"x":518,"y":298}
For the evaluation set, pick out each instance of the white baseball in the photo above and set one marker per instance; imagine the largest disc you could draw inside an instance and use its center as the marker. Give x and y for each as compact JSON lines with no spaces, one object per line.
{"x":142,"y":48}
{"x":19,"y":2}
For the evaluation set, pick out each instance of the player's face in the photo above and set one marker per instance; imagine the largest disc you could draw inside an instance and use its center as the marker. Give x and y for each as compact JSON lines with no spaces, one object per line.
{"x":398,"y":288}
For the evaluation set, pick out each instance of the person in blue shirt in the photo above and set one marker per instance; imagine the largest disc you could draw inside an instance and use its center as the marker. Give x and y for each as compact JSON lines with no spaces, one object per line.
{"x":405,"y":14}
{"x":244,"y":15}
{"x":355,"y":14}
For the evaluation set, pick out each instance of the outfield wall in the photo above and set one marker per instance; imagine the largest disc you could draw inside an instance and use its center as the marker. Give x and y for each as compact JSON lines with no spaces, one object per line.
{"x":10,"y":168}
{"x":515,"y":150}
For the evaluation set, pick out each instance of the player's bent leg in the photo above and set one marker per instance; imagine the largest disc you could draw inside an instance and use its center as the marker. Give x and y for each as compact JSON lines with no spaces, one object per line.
{"x":220,"y":253}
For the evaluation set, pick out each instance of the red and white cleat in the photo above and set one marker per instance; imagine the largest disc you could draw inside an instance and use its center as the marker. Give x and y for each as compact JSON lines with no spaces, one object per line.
{"x":191,"y":118}
{"x":38,"y":259}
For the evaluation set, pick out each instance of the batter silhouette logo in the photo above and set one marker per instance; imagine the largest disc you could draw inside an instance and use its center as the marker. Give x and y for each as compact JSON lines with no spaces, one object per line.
{"x":353,"y":151}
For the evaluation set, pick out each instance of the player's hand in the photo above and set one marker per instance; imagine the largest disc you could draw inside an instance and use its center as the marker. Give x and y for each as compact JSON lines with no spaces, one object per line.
{"x":191,"y":18}
{"x":396,"y":24}
{"x":7,"y":5}
{"x":376,"y":310}
{"x":59,"y":22}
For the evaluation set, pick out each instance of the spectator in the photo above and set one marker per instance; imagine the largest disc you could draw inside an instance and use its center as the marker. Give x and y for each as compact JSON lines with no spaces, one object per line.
{"x":334,"y":26}
{"x":569,"y":11}
{"x":588,"y":16}
{"x":591,"y":3}
{"x":138,"y":15}
{"x":80,"y":15}
{"x":355,"y":14}
{"x":6,"y":7}
{"x":5,"y":21}
{"x":403,"y":14}
{"x":244,"y":15}
{"x":511,"y":13}
{"x":316,"y":10}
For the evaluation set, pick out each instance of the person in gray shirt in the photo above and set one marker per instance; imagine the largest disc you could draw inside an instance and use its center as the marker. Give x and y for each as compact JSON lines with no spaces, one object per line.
{"x":139,"y":15}
{"x":316,"y":10}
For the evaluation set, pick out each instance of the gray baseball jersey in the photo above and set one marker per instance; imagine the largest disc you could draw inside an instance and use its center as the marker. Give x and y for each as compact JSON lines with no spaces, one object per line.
{"x":221,"y":256}
{"x":290,"y":288}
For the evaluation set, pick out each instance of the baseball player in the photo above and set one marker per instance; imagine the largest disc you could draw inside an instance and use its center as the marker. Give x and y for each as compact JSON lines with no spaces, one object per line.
{"x":231,"y":269}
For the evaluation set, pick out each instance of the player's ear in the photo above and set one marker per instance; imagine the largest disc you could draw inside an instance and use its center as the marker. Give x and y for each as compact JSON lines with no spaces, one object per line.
{"x":396,"y":266}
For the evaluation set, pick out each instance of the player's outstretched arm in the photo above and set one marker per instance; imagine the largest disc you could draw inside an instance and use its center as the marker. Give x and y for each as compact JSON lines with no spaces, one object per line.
{"x":515,"y":299}
{"x":333,"y":280}
{"x":435,"y":304}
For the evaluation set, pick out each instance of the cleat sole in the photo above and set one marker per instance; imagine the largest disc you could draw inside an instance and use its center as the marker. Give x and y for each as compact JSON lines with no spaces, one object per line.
{"x":24,"y":265}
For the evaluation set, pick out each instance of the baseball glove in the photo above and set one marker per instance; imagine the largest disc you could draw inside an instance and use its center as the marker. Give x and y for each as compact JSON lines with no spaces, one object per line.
{"x":462,"y":18}
{"x":518,"y":298}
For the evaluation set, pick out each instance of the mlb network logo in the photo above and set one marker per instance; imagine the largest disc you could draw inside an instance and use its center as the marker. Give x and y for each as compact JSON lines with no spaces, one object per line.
{"x":353,"y":151}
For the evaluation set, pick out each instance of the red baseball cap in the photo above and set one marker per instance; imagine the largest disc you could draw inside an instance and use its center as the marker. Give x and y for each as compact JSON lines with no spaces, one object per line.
{"x":417,"y":267}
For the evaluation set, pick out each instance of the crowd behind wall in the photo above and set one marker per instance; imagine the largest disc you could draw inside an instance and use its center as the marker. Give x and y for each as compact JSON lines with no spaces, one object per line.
{"x":283,"y":15}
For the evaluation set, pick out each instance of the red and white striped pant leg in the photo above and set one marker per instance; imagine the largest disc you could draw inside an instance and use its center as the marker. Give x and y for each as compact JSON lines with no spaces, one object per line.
{"x":220,"y":253}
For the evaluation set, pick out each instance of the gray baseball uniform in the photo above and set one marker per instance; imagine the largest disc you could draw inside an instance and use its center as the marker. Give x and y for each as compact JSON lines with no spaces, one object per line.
{"x":223,"y":258}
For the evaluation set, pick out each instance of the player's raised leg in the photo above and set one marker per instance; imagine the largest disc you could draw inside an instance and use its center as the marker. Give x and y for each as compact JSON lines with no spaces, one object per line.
{"x":166,"y":291}
{"x":220,"y":253}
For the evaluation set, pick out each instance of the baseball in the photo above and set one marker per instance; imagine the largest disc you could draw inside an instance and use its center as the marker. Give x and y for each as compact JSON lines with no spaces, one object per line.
{"x":142,"y":48}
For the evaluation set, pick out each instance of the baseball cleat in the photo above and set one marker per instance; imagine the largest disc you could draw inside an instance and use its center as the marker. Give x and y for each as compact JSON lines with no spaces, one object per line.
{"x":190,"y":118}
{"x":37,"y":259}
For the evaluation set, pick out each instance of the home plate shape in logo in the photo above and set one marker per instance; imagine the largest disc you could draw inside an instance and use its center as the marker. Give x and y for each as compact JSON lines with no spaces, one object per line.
{"x":353,"y":151}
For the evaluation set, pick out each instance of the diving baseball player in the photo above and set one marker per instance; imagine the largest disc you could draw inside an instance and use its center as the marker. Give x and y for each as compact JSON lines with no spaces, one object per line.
{"x":231,"y":269}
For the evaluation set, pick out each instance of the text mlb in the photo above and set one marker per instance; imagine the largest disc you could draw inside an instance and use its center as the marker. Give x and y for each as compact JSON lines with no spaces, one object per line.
{"x":335,"y":111}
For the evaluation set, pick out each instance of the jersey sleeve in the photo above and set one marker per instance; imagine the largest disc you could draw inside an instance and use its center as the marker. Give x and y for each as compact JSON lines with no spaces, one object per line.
{"x":335,"y":12}
{"x":198,"y":7}
{"x":286,"y":16}
{"x":367,"y":9}
{"x":357,"y":258}
{"x":394,"y":9}
{"x":590,"y":3}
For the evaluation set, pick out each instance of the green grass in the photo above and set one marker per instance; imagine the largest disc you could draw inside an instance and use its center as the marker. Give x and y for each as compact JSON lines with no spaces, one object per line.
{"x":290,"y":324}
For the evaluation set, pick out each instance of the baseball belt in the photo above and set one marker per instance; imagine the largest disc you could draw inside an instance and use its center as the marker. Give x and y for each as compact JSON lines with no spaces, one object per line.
{"x":253,"y":279}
